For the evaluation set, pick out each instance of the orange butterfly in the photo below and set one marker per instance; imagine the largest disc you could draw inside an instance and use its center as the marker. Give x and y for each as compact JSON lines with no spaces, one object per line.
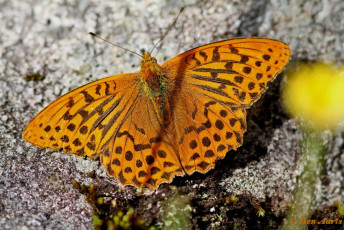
{"x":166,"y":120}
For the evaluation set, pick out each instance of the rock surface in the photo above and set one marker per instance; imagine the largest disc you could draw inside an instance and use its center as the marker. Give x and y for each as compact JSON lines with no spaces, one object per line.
{"x":49,"y":38}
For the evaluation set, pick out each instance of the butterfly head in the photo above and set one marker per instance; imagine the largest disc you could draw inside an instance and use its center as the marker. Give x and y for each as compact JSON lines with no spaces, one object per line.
{"x":147,"y":60}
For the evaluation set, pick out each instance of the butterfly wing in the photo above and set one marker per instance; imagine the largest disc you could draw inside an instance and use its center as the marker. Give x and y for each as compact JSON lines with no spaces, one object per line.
{"x":113,"y":119}
{"x":79,"y":120}
{"x":214,"y":84}
{"x":142,"y":151}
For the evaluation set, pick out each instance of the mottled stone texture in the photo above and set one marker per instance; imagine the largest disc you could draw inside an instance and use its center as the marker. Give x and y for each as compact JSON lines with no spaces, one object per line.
{"x":50,"y":38}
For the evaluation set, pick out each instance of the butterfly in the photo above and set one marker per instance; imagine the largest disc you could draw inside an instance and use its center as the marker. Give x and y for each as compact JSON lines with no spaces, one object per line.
{"x":166,"y":120}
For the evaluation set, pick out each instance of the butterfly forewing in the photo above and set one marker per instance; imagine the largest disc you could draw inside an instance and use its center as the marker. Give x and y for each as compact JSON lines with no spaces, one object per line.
{"x":75,"y":122}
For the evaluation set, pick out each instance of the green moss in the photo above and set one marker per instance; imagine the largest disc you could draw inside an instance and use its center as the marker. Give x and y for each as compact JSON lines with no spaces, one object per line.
{"x":261,"y":212}
{"x":76,"y":184}
{"x":100,"y":200}
{"x":97,"y":221}
{"x":340,"y":209}
{"x":33,"y":76}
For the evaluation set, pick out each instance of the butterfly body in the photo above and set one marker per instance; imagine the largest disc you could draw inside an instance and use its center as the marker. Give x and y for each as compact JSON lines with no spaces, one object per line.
{"x":153,"y":82}
{"x":166,"y":120}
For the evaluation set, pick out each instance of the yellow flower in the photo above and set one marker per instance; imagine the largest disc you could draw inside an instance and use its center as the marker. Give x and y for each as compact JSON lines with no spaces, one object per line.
{"x":315,"y":93}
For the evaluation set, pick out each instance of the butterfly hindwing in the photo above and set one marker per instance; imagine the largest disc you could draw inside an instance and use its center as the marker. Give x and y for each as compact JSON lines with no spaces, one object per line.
{"x":140,"y":151}
{"x":210,"y":129}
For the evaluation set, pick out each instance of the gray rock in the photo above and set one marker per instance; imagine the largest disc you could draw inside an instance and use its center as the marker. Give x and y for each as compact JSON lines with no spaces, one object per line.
{"x":50,"y":38}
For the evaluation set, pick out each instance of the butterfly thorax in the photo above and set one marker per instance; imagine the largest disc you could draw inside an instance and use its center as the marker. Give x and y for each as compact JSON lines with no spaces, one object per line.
{"x":153,"y":81}
{"x":150,"y":71}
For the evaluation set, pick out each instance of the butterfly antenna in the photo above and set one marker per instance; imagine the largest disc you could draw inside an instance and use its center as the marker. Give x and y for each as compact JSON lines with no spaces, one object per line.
{"x":93,"y":34}
{"x":169,"y":28}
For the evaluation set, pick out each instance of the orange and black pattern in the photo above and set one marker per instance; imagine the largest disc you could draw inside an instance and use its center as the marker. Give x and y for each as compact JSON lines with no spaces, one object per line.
{"x":206,"y":92}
